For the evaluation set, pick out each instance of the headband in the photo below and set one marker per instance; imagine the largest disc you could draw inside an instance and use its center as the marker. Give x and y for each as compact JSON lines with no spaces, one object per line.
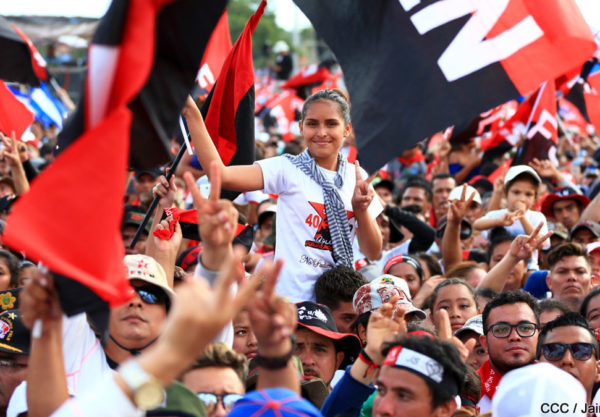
{"x":423,"y":366}
{"x":407,"y":259}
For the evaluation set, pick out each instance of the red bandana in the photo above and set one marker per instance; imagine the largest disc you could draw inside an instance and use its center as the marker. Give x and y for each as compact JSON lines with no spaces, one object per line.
{"x":489,"y":379}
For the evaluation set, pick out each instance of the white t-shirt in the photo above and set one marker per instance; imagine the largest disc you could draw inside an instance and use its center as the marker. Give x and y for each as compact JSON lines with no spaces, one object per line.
{"x":303,"y":237}
{"x":534,"y":217}
{"x":85,"y":363}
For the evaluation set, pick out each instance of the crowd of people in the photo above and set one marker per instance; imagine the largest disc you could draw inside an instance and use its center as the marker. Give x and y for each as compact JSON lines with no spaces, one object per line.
{"x":424,"y":289}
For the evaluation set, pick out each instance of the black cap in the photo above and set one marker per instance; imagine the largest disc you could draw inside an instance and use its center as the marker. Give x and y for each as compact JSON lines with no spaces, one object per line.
{"x":14,"y":336}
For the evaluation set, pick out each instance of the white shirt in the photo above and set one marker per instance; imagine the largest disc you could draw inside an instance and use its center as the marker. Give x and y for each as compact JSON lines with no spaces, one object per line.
{"x":303,"y":237}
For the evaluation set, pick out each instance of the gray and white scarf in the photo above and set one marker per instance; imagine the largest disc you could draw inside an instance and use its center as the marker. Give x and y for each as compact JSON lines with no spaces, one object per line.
{"x":339,"y":227}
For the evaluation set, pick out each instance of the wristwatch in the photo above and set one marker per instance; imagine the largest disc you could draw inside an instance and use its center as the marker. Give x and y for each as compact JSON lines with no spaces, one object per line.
{"x":148,"y":392}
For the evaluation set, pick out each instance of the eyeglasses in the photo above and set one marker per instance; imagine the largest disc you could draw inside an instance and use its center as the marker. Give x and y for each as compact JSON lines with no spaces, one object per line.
{"x":211,"y":400}
{"x":503,"y":330}
{"x":580,"y":351}
{"x":151,"y":294}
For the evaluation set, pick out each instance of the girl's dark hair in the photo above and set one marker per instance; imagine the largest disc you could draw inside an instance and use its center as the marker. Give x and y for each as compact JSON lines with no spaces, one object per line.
{"x":587,"y":299}
{"x":431,"y":261}
{"x":331,"y":95}
{"x":13,"y":266}
{"x":447,"y":282}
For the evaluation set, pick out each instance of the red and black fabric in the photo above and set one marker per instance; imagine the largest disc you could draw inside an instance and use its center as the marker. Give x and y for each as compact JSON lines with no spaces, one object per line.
{"x":216,"y":52}
{"x":16,"y":63}
{"x":450,"y":60}
{"x":14,"y":116}
{"x":485,"y":122}
{"x":229,"y":109}
{"x":74,"y":207}
{"x":38,"y":62}
{"x":319,"y":319}
{"x":181,"y":32}
{"x":542,"y":136}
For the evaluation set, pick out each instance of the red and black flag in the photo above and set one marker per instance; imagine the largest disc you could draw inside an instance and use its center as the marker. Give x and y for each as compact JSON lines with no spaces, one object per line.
{"x":19,"y":60}
{"x":450,"y":59}
{"x":182,"y":30}
{"x":542,"y":127}
{"x":229,"y":109}
{"x":71,"y":217}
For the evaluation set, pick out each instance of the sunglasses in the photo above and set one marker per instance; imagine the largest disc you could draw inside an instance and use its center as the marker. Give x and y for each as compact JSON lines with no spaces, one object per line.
{"x":211,"y":400}
{"x":580,"y":351}
{"x":151,"y":294}
{"x":503,"y":330}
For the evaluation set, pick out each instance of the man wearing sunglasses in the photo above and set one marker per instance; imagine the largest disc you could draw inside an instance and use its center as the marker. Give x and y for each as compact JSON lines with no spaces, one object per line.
{"x":569,"y":343}
{"x":217,"y":378}
{"x":510,"y":334}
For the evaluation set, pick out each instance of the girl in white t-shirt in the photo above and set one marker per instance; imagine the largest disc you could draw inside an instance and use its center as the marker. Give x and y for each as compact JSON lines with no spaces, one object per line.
{"x":323,"y":201}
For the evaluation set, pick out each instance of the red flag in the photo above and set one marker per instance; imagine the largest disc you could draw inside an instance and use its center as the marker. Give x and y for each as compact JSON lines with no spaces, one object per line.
{"x":283,"y":108}
{"x":592,"y":99}
{"x":542,"y":135}
{"x":216,"y":52}
{"x":77,"y":234}
{"x":13,"y":114}
{"x":230,"y":116}
{"x":37,"y":60}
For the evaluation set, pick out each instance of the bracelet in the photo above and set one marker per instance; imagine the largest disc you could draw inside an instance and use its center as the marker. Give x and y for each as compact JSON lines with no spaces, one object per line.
{"x":367,"y":360}
{"x":275,"y":363}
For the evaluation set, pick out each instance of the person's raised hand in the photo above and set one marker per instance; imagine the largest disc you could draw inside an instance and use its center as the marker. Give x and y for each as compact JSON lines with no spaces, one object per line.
{"x":172,"y":244}
{"x":273,"y":318}
{"x":39,"y":300}
{"x":509,"y":218}
{"x":166,"y":190}
{"x":458,"y":208}
{"x":217,"y":218}
{"x":14,"y":151}
{"x":444,"y":331}
{"x":385,"y":323}
{"x":523,"y":246}
{"x":544,"y":168}
{"x":199,"y":313}
{"x":363,"y":193}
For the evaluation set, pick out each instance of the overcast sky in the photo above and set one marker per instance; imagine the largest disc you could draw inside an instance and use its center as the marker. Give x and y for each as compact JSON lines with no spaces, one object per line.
{"x":286,"y":11}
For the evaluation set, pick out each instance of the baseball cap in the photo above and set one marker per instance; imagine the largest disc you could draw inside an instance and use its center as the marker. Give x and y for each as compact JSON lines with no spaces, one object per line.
{"x":592,"y":247}
{"x":135,"y":218}
{"x":456,"y":193}
{"x":154,"y":173}
{"x":514,"y":171}
{"x":563,"y":193}
{"x":466,"y":230}
{"x":523,"y":392}
{"x":590,"y":225}
{"x":371,"y":296}
{"x":14,"y":336}
{"x":319,"y":319}
{"x":273,"y":402}
{"x":474,"y":324}
{"x":558,"y":229}
{"x":269,"y":211}
{"x":145,"y":268}
{"x":189,"y":257}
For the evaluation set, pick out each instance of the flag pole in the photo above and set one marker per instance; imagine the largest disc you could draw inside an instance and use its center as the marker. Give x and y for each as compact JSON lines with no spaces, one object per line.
{"x":170,"y":174}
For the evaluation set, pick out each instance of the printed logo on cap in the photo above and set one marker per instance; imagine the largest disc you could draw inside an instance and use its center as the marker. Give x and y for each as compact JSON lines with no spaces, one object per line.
{"x":305,"y":314}
{"x":5,"y":330}
{"x":7,"y":301}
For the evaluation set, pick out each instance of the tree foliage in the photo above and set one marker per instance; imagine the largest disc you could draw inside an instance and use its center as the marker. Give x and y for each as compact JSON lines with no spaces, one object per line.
{"x":266,"y":34}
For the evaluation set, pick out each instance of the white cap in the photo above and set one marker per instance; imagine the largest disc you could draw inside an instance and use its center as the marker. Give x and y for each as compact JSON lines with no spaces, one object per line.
{"x":281,"y":46}
{"x":526,"y":391}
{"x":456,"y":193}
{"x":513,"y":172}
{"x":591,"y":247}
{"x":474,"y":324}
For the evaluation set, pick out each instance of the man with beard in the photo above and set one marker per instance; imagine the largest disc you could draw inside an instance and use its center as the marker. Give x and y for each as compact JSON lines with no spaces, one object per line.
{"x":510,"y":326}
{"x":320,"y":347}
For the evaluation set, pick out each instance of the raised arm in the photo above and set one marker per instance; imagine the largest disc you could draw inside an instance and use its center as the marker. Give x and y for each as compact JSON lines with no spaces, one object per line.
{"x":368,"y":233}
{"x":520,"y":249}
{"x":451,"y":247}
{"x":236,"y":178}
